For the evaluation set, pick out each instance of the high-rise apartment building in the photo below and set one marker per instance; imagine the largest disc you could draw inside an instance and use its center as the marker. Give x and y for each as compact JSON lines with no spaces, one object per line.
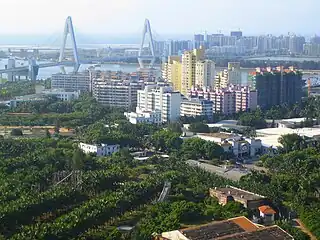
{"x":189,"y":60}
{"x":234,"y":73}
{"x":172,"y":72}
{"x":228,"y":100}
{"x":116,"y":93}
{"x":221,"y":79}
{"x":237,"y":34}
{"x":194,"y":107}
{"x":177,"y":47}
{"x":296,"y":44}
{"x":72,"y":81}
{"x":205,"y":73}
{"x":198,"y":40}
{"x":160,"y":98}
{"x":311,"y":49}
{"x":278,"y":86}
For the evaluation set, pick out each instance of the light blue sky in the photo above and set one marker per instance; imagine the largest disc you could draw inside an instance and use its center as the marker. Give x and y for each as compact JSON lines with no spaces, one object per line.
{"x":167,"y":17}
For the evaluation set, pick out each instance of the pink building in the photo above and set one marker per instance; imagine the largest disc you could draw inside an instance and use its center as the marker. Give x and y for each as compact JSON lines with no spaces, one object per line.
{"x":229,"y":100}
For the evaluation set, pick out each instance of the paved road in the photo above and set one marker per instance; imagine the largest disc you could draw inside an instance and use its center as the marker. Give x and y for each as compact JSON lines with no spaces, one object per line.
{"x":233,"y":174}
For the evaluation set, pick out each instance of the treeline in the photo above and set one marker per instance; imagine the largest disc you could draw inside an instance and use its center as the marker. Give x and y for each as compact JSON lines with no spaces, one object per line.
{"x":83,"y":111}
{"x":308,"y":108}
{"x":9,"y":90}
{"x":292,"y":181}
{"x":103,"y":191}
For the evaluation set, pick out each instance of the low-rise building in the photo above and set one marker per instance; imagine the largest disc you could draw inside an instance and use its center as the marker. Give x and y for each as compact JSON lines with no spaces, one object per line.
{"x":61,"y":94}
{"x":99,"y":149}
{"x":196,"y":107}
{"x":248,"y":199}
{"x":232,"y":143}
{"x":267,"y":214}
{"x":151,"y":117}
{"x":270,"y":136}
{"x":230,"y":229}
{"x":293,"y":122}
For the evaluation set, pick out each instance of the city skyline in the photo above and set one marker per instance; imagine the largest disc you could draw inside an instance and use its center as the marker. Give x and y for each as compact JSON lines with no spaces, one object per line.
{"x":168,"y":18}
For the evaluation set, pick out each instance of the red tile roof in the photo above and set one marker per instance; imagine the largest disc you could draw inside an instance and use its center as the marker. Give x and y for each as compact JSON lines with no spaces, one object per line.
{"x":267,"y":209}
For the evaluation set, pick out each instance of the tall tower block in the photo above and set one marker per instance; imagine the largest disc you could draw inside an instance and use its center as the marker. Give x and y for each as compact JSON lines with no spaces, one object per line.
{"x":68,"y":29}
{"x":141,"y":57}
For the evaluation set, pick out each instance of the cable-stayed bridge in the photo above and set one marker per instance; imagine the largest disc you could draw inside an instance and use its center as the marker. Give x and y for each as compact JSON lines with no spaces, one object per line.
{"x":31,"y":70}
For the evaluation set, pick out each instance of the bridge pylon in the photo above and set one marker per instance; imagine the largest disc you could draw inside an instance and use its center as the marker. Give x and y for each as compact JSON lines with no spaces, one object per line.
{"x":141,"y":57}
{"x":68,"y":29}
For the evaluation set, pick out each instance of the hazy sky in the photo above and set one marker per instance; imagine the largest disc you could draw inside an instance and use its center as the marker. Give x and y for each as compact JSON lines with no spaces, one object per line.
{"x":112,"y":17}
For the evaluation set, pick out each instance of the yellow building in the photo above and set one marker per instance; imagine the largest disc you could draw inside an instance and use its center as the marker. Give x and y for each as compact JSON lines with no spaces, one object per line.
{"x":183,"y":72}
{"x":221,"y":80}
{"x":176,"y":75}
{"x":189,"y":60}
{"x":171,"y":71}
{"x":205,"y":74}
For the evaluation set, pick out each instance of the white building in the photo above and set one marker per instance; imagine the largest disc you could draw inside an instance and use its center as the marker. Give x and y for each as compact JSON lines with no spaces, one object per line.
{"x":99,"y":149}
{"x":72,"y":81}
{"x":205,"y":73}
{"x":270,"y":136}
{"x":162,"y":98}
{"x":291,"y":123}
{"x":116,"y":93}
{"x":153,"y":117}
{"x":61,"y":94}
{"x":196,"y":107}
{"x":238,"y":145}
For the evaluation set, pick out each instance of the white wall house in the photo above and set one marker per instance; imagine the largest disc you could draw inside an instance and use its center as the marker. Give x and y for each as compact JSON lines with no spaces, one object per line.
{"x":238,"y":145}
{"x":267,"y":214}
{"x":151,"y":117}
{"x":99,"y":149}
{"x":62,"y":95}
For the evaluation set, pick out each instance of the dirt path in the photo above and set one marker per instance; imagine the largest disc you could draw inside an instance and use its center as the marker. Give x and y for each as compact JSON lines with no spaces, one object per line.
{"x":303,"y":228}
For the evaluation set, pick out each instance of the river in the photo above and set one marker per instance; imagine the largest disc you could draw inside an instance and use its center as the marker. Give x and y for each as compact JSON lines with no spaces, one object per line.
{"x":45,"y":73}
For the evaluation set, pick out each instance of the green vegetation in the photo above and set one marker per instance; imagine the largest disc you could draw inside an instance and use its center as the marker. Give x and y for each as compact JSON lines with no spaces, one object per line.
{"x":292,"y":181}
{"x":34,"y":206}
{"x":83,"y":111}
{"x":199,"y":127}
{"x":49,"y":189}
{"x":9,"y":90}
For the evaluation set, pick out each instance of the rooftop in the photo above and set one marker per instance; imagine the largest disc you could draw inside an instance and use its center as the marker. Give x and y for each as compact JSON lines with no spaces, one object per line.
{"x":270,"y":136}
{"x":239,"y":228}
{"x":269,"y":233}
{"x":217,"y":135}
{"x":218,"y":229}
{"x":238,"y":193}
{"x":267,"y":209}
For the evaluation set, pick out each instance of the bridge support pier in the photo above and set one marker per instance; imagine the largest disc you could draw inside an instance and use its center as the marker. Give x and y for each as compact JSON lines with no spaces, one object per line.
{"x":141,"y":57}
{"x":68,"y":29}
{"x":33,"y":70}
{"x":11,"y":75}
